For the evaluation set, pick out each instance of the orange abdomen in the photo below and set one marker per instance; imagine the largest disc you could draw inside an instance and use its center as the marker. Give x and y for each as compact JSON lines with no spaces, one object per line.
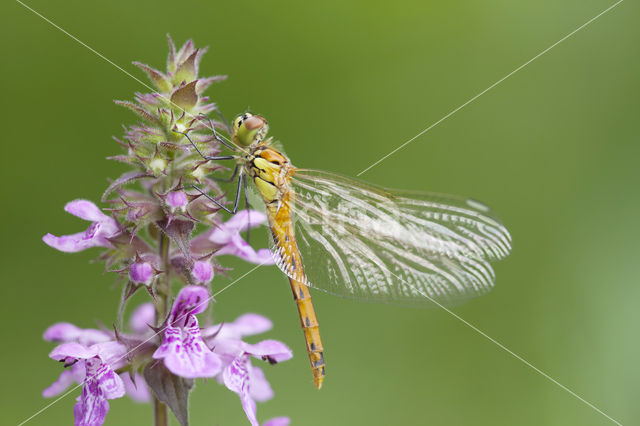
{"x":284,"y":239}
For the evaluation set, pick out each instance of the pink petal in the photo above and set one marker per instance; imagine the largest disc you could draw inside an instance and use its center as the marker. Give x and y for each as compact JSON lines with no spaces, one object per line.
{"x":271,"y":349}
{"x":260,"y":388}
{"x":143,"y":316}
{"x":71,"y":243}
{"x":138,"y":390}
{"x":238,"y":223}
{"x":249,"y":324}
{"x":65,"y":332}
{"x":240,"y":248}
{"x":73,"y":350}
{"x":114,"y":353}
{"x":244,"y":325}
{"x":86,"y":210}
{"x":278,"y":421}
{"x":228,"y":347}
{"x":236,"y":379}
{"x":66,"y":379}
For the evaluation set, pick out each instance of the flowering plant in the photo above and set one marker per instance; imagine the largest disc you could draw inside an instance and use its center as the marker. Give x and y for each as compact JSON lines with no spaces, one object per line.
{"x":147,"y":233}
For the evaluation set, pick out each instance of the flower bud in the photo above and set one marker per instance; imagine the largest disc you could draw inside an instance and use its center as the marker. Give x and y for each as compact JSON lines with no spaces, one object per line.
{"x":157,"y":165}
{"x":202,"y":272}
{"x":199,"y":173}
{"x":141,"y":273}
{"x":177,"y":200}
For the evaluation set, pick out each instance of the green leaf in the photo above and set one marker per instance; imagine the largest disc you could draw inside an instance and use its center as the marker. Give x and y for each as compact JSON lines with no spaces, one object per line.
{"x":138,"y":110}
{"x":180,"y":233}
{"x":157,"y":78}
{"x":187,"y":70}
{"x":170,"y":389}
{"x":171,"y":60}
{"x":186,"y":96}
{"x":123,"y":179}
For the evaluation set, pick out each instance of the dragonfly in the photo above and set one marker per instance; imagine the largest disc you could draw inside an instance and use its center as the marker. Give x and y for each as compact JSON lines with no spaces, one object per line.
{"x":357,"y":240}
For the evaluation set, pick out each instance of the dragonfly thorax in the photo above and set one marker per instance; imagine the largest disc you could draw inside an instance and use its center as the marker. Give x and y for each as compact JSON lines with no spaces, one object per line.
{"x":270,"y":171}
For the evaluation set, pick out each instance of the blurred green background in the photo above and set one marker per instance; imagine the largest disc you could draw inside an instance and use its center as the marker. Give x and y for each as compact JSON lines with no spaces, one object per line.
{"x":553,"y":149}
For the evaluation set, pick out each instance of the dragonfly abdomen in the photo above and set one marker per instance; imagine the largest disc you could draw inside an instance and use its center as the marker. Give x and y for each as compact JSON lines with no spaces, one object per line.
{"x":309,"y":323}
{"x":286,"y":253}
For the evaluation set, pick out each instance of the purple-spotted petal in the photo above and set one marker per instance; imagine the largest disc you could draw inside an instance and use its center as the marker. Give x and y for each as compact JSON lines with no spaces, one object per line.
{"x":136,"y":389}
{"x":101,"y":383}
{"x":278,"y":421}
{"x":259,"y":387}
{"x":142,"y":317}
{"x":104,"y":377}
{"x":236,"y":379}
{"x":185,"y":354}
{"x":190,"y":301}
{"x":111,"y":353}
{"x":91,"y":408}
{"x":271,"y":350}
{"x":65,"y":332}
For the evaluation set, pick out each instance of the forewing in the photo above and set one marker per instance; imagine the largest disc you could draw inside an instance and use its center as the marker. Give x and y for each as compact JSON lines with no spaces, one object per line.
{"x":366,"y":242}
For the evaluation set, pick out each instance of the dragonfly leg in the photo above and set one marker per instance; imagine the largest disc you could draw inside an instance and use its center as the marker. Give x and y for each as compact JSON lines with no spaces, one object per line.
{"x":218,"y":203}
{"x":231,"y":179}
{"x":215,"y":134}
{"x":247,"y":208}
{"x":224,"y":120}
{"x":206,"y":157}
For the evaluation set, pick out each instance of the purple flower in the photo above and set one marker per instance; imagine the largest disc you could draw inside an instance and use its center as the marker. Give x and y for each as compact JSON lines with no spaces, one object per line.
{"x":238,"y":375}
{"x":94,"y":357}
{"x":97,"y":363}
{"x":102,"y":228}
{"x":229,"y":241}
{"x":183,"y":350}
{"x":141,"y":272}
{"x":202,"y":272}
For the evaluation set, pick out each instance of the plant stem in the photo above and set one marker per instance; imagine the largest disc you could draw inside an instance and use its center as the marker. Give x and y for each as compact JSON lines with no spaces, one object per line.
{"x":164,"y":284}
{"x":160,"y":411}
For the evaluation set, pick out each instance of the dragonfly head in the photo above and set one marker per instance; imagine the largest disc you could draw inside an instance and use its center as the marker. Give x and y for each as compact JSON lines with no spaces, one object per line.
{"x":249,"y":129}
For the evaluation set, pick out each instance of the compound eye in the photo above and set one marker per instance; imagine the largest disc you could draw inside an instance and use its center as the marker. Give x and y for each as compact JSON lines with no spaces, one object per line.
{"x":254,"y":122}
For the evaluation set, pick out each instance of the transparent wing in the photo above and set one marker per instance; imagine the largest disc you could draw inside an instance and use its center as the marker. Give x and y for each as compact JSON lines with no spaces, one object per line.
{"x":365,"y":242}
